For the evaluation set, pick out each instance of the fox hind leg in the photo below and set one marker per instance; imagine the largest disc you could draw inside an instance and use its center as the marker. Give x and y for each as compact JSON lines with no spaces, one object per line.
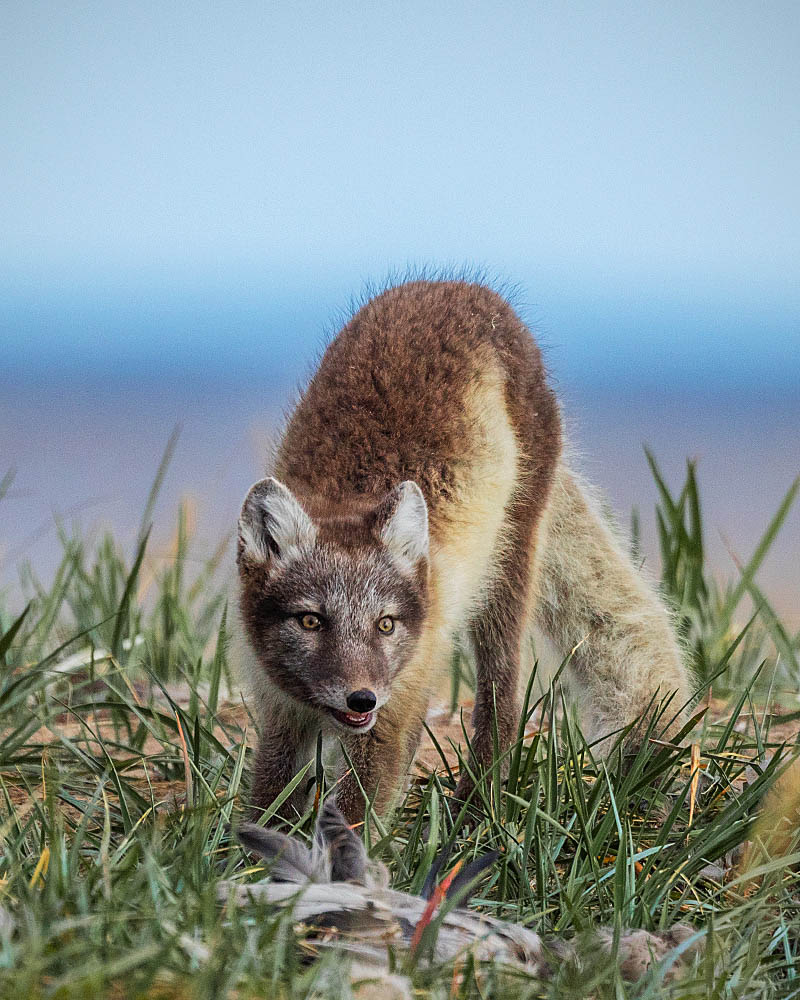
{"x":600,"y":611}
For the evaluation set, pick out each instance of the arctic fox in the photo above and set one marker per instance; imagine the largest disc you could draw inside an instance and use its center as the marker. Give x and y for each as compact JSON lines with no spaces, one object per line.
{"x":420,"y":495}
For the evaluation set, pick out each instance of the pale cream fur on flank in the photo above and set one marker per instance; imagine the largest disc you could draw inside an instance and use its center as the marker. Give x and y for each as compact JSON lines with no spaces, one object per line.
{"x":467,"y":532}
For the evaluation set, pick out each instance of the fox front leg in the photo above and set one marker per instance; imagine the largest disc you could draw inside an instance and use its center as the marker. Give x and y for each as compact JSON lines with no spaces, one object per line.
{"x":277,"y":761}
{"x":377,"y":764}
{"x":497,"y":631}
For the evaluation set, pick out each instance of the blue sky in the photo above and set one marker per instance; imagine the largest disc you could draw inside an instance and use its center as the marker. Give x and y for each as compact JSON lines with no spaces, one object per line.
{"x":201,"y":185}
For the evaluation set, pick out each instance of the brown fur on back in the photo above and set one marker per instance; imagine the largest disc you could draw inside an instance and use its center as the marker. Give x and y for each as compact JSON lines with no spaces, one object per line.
{"x":387,"y":402}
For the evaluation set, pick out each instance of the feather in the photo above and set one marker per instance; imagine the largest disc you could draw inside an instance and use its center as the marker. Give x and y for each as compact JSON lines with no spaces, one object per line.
{"x":289,"y":860}
{"x":348,"y":858}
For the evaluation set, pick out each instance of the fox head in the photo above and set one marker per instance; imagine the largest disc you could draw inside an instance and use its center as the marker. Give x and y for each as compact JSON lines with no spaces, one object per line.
{"x":333,"y":601}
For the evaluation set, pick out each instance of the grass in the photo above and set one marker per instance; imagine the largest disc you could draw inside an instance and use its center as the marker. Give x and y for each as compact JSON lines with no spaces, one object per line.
{"x":123,"y":759}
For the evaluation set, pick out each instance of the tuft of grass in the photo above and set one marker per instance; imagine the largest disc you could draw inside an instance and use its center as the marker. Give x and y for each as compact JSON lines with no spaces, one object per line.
{"x":706,"y":610}
{"x":124,"y":755}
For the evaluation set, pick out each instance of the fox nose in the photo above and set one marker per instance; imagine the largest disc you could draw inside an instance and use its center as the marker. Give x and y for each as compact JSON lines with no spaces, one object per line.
{"x":362,"y":701}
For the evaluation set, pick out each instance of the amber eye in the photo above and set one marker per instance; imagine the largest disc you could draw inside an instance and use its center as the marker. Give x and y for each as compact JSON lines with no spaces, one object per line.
{"x":386,"y":625}
{"x":311,"y":623}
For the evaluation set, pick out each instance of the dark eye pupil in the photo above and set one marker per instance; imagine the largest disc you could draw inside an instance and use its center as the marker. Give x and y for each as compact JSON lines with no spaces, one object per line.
{"x":309,"y":621}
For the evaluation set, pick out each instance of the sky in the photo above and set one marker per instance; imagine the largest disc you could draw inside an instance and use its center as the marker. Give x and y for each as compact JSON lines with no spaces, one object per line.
{"x":184,"y":182}
{"x":191,"y":194}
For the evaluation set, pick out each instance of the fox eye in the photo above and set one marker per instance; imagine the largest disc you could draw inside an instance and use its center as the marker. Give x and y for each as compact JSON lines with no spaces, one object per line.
{"x":386,"y":625}
{"x":311,"y":623}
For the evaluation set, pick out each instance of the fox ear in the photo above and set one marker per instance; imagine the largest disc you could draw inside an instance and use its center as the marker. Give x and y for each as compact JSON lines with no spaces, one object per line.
{"x":272,"y":523}
{"x":402,"y":522}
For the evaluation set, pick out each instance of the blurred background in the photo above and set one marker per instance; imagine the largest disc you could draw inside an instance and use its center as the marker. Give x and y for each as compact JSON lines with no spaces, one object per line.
{"x":192,"y":194}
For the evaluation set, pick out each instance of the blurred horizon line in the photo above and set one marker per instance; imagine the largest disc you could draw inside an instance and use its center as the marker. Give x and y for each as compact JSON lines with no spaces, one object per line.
{"x":635,"y":339}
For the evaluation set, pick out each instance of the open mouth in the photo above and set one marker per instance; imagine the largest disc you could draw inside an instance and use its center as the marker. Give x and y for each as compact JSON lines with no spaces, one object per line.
{"x":353,"y":720}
